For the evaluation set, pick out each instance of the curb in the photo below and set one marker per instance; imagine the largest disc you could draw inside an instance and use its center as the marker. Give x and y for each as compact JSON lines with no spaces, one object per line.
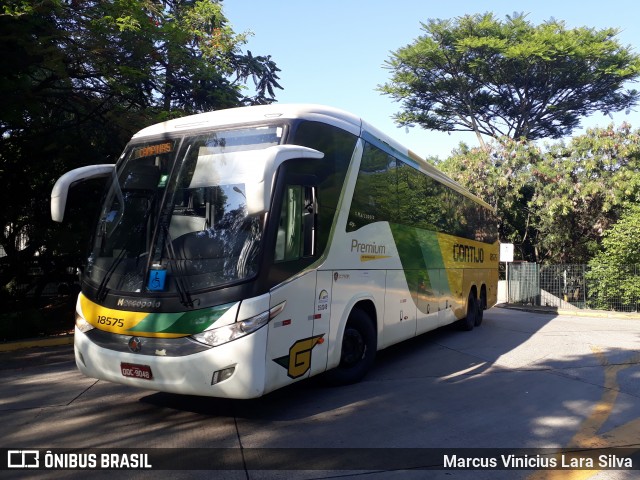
{"x":571,"y":313}
{"x":37,"y":342}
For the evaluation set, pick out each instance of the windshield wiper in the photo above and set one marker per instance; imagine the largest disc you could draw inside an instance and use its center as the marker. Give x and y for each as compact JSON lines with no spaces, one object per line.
{"x":102,"y":288}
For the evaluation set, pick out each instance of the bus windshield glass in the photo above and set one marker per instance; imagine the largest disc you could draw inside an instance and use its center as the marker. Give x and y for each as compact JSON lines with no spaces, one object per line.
{"x":175,"y":216}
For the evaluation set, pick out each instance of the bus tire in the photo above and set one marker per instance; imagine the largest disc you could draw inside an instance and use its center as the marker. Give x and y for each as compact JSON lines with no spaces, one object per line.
{"x":359,"y":345}
{"x":482,"y":304}
{"x":470,"y":320}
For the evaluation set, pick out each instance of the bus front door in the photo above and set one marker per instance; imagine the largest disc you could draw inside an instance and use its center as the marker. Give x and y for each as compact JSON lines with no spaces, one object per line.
{"x":291,"y":339}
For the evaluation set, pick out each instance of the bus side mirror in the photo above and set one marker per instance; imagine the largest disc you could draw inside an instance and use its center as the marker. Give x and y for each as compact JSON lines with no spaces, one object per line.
{"x":60,"y":190}
{"x":254,"y":168}
{"x":276,"y":156}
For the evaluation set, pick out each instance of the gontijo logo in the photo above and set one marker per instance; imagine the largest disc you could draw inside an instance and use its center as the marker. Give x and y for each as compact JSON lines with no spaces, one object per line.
{"x":467,"y":253}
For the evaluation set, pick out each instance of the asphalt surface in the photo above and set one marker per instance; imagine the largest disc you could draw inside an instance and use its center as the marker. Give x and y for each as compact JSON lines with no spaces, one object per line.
{"x":521,"y":380}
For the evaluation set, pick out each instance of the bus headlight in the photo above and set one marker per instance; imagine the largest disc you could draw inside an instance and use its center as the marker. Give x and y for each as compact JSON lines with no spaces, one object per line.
{"x":218,"y":336}
{"x":82,"y":324}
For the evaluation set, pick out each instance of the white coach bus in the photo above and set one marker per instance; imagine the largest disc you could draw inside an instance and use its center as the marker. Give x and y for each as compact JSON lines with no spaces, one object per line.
{"x":241,"y":250}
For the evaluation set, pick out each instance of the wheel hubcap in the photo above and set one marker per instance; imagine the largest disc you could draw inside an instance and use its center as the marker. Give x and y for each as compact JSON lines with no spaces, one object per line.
{"x":353,"y":348}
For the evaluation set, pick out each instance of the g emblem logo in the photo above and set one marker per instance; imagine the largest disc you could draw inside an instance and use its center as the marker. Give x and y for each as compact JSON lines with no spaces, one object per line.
{"x":298,"y":362}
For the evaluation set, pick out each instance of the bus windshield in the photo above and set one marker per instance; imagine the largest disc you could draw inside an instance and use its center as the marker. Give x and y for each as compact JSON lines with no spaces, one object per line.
{"x":175,"y":216}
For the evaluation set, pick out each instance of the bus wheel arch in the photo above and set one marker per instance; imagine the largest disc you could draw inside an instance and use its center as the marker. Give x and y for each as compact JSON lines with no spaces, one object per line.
{"x":358,"y":347}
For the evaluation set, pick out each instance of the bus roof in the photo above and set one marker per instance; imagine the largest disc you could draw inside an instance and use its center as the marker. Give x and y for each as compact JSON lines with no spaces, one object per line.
{"x":313,"y":112}
{"x":234,"y":116}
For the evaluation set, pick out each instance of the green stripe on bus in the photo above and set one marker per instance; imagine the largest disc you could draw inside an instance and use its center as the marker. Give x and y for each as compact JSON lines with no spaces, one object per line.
{"x":181,"y":323}
{"x":421,"y":259}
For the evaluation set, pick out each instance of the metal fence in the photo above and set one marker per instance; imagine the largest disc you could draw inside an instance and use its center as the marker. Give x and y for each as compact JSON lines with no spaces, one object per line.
{"x":602,"y":287}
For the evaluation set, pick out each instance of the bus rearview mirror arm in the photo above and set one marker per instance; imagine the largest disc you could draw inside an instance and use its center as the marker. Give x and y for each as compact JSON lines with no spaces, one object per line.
{"x":60,"y":190}
{"x":259,"y":195}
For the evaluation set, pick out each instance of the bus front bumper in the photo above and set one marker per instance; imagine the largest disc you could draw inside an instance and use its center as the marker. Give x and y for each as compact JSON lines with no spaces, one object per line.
{"x":233,"y":370}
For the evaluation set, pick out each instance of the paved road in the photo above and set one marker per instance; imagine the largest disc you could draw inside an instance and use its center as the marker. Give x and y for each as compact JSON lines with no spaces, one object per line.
{"x":521,"y":380}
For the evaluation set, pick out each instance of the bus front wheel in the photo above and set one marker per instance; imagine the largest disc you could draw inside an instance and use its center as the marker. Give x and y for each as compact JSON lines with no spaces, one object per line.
{"x":359,"y":345}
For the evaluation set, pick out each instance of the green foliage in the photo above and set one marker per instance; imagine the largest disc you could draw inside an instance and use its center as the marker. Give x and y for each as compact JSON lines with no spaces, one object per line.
{"x":78,"y":78}
{"x":581,"y":190}
{"x":500,"y":174}
{"x":615,"y":271}
{"x":621,"y":244}
{"x":555,"y":203}
{"x":513,"y":80}
{"x":509,"y":78}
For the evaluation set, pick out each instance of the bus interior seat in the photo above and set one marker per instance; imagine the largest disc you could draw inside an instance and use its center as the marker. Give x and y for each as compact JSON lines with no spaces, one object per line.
{"x":184,"y":224}
{"x":200,"y":245}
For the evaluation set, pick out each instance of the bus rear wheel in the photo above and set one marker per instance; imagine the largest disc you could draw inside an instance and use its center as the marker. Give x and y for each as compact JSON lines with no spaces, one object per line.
{"x":359,"y":345}
{"x":471,"y":320}
{"x":482,"y":305}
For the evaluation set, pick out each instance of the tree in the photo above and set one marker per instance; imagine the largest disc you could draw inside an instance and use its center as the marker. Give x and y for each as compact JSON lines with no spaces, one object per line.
{"x":614,"y":275}
{"x":511,"y":78}
{"x":581,"y":189}
{"x":555,"y":203}
{"x":78,"y":78}
{"x":500,"y":174}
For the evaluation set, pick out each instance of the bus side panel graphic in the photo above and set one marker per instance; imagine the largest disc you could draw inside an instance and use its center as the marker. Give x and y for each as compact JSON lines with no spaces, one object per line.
{"x":424,"y":253}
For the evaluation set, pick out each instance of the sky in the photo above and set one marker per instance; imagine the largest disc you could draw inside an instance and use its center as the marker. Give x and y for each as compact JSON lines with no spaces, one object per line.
{"x":332,"y":52}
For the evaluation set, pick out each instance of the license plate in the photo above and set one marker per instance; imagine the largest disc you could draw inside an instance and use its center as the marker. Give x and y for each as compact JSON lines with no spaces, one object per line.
{"x":136,"y":371}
